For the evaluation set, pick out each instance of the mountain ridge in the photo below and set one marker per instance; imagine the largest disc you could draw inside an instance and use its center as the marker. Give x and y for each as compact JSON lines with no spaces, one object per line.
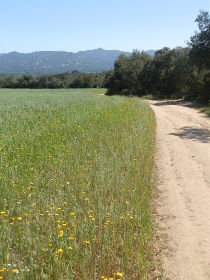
{"x":50,"y":62}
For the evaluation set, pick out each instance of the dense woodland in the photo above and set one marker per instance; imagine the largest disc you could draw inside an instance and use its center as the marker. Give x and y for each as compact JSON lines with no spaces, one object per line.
{"x":64,"y":80}
{"x":171,"y":73}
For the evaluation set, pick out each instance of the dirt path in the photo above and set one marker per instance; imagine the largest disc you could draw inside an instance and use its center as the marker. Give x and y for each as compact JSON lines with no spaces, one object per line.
{"x":183,"y":163}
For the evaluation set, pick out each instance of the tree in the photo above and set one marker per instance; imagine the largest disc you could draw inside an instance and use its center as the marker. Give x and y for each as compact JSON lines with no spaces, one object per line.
{"x":200,"y":57}
{"x":165,"y":75}
{"x":200,"y":42}
{"x":124,"y":80}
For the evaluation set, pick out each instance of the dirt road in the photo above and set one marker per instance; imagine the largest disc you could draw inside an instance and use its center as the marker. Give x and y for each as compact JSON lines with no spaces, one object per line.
{"x":183,"y":164}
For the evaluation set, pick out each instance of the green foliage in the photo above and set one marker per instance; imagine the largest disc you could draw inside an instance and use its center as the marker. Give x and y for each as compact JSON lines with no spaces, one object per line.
{"x":163,"y":76}
{"x":200,"y":42}
{"x":200,"y":56}
{"x":75,"y":196}
{"x":171,"y":73}
{"x":64,"y":80}
{"x":124,"y":80}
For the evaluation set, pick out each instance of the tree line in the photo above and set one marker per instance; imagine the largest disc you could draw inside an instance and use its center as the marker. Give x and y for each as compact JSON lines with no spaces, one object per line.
{"x":64,"y":80}
{"x":171,"y":73}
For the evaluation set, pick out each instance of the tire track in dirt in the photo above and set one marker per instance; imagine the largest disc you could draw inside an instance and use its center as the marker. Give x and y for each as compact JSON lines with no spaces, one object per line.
{"x":183,"y":211}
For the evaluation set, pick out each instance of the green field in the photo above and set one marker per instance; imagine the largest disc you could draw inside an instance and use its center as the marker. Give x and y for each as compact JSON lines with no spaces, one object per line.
{"x":75,"y":175}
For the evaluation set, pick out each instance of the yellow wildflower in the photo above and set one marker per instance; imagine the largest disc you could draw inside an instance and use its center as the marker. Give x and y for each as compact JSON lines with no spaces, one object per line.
{"x":91,"y":217}
{"x":15,"y":270}
{"x":59,"y":251}
{"x":61,"y":233}
{"x":71,"y":237}
{"x":19,"y":218}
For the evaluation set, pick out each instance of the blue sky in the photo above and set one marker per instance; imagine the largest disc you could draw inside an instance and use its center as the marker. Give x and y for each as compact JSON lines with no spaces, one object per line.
{"x":73,"y":25}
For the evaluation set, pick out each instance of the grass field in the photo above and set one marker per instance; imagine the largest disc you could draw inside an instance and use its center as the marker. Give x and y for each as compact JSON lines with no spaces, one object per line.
{"x":75,"y":172}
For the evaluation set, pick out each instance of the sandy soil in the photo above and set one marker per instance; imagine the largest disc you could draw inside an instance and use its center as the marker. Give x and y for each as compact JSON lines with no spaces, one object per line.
{"x":183,"y":211}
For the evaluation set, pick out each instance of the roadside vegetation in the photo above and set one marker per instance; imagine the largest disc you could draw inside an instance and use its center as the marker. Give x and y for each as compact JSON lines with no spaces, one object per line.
{"x":206,"y":110}
{"x":171,"y":73}
{"x":75,"y":79}
{"x":75,"y":179}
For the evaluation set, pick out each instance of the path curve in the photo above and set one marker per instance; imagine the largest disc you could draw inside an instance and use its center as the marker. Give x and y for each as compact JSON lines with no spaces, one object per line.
{"x":183,"y":211}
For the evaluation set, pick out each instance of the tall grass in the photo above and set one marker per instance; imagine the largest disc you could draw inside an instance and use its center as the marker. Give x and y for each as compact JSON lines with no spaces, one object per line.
{"x":75,"y":171}
{"x":207,"y":110}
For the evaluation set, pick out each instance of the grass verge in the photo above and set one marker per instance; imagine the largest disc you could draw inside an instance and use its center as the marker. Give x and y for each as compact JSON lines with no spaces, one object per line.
{"x":206,"y":110}
{"x":75,"y":178}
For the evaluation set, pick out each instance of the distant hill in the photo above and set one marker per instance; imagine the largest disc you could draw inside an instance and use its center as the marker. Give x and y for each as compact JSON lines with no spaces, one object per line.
{"x":151,"y":52}
{"x":48,"y":62}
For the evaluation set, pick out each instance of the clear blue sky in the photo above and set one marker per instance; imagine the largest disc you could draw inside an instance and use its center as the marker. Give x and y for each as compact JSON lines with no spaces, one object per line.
{"x":73,"y":25}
